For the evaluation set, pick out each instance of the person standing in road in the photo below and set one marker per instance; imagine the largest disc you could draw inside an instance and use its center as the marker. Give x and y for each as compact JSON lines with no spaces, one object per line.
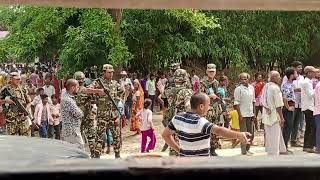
{"x":244,"y":99}
{"x":71,"y":115}
{"x":307,"y":106}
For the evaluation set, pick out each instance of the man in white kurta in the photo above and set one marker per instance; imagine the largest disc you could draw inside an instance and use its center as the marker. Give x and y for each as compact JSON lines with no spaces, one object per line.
{"x":272,"y":117}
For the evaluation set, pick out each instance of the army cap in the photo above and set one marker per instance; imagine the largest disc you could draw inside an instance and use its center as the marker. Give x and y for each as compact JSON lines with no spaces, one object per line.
{"x":211,"y":67}
{"x":123,"y":73}
{"x":15,"y":75}
{"x":108,"y":67}
{"x":79,"y":75}
{"x":175,"y":66}
{"x":180,"y":75}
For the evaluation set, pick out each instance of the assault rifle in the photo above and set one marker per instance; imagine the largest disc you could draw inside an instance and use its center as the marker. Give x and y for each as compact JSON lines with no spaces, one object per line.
{"x":106,"y":90}
{"x":18,"y":104}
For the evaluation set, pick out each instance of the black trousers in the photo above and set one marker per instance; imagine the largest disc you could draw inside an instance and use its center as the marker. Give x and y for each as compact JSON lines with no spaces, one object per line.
{"x":310,"y":133}
{"x":247,"y":126}
{"x":152,"y":97}
{"x":288,"y":125}
{"x":54,"y":130}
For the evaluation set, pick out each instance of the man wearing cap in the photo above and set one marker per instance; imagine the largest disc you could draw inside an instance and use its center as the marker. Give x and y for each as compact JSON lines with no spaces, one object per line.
{"x":17,"y":122}
{"x":173,"y":68}
{"x":307,"y":106}
{"x":85,"y":101}
{"x":209,"y":85}
{"x":125,"y":80}
{"x":178,"y":98}
{"x":108,"y":116}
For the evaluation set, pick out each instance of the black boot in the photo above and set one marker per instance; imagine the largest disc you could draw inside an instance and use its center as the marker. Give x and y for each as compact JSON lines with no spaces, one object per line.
{"x":117,"y":155}
{"x":108,"y":150}
{"x":165,"y":147}
{"x":213,"y":152}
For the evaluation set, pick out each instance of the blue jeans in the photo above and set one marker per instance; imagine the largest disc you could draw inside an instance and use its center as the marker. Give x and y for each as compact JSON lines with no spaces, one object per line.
{"x":3,"y":131}
{"x":288,"y":125}
{"x":43,"y":129}
{"x":108,"y":137}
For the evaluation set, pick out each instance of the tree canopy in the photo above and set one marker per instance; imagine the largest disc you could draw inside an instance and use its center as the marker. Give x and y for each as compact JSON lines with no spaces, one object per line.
{"x":151,"y":39}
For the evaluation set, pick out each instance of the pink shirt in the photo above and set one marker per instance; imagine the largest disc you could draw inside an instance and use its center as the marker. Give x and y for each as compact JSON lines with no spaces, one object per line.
{"x":38,"y":113}
{"x":146,"y":119}
{"x":34,"y":78}
{"x":316,"y":109}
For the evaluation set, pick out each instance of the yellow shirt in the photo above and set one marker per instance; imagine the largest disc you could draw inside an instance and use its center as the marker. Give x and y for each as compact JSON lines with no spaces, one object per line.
{"x":3,"y":81}
{"x":234,"y":119}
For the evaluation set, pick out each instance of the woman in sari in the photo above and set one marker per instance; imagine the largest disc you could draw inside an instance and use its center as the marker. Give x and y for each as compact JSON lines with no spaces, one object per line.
{"x":138,"y":99}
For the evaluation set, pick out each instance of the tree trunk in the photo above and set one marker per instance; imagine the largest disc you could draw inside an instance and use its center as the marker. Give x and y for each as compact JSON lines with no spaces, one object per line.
{"x":116,"y":15}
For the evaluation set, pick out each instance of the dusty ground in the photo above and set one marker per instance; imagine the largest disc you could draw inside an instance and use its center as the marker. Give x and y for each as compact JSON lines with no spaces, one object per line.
{"x":131,"y":142}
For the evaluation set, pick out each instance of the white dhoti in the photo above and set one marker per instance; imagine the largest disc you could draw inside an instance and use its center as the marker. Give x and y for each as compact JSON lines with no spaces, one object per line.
{"x":274,"y":140}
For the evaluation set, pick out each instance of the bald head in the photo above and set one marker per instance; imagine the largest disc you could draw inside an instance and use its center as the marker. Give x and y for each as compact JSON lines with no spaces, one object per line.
{"x":200,"y":103}
{"x":244,"y":78}
{"x":197,"y":99}
{"x":244,"y":75}
{"x":71,"y":83}
{"x":274,"y":76}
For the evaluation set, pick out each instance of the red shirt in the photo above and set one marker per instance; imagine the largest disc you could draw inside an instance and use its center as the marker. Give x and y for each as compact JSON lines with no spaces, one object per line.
{"x":258,"y":86}
{"x":55,"y":83}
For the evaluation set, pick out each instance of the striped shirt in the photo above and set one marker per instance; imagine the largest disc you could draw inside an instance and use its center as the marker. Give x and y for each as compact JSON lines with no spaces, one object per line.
{"x":193,"y":133}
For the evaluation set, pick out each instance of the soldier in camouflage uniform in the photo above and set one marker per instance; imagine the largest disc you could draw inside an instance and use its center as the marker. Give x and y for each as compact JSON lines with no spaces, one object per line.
{"x":174,"y":67}
{"x":84,"y":101}
{"x":209,"y":86}
{"x":178,"y":97}
{"x":107,"y":117}
{"x":17,"y":123}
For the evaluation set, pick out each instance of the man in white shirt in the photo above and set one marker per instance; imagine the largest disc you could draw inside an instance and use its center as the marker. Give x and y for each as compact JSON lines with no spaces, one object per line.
{"x":244,"y":99}
{"x":48,"y":88}
{"x":125,"y":80}
{"x":272,"y":116}
{"x":151,"y":88}
{"x":307,"y":105}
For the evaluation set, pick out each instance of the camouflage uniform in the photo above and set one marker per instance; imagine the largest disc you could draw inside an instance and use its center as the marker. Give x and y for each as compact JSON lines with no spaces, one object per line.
{"x":83,"y":101}
{"x":108,"y":117}
{"x":174,"y":67}
{"x":178,"y":97}
{"x":16,"y":122}
{"x":210,"y":87}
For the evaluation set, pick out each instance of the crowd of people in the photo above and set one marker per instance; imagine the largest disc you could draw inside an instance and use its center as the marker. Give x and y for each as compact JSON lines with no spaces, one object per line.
{"x":196,"y":111}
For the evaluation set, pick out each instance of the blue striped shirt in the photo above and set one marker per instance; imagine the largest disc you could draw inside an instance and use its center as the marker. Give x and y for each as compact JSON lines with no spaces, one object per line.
{"x":193,"y":133}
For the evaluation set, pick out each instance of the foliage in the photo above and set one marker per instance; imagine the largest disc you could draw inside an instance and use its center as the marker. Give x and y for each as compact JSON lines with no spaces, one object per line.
{"x":93,"y":42}
{"x":159,"y":37}
{"x":152,"y":39}
{"x":262,"y":40}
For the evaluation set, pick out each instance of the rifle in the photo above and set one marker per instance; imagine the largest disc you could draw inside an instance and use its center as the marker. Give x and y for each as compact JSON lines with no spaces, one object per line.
{"x":106,"y":90}
{"x":17,"y":103}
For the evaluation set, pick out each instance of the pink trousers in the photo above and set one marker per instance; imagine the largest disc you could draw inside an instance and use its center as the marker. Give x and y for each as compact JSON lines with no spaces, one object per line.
{"x":152,"y":143}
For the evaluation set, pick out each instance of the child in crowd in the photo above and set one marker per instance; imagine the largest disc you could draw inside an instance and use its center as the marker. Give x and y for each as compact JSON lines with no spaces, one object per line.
{"x":147,"y":129}
{"x":37,"y":99}
{"x":55,"y":125}
{"x":235,"y":125}
{"x":42,"y":116}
